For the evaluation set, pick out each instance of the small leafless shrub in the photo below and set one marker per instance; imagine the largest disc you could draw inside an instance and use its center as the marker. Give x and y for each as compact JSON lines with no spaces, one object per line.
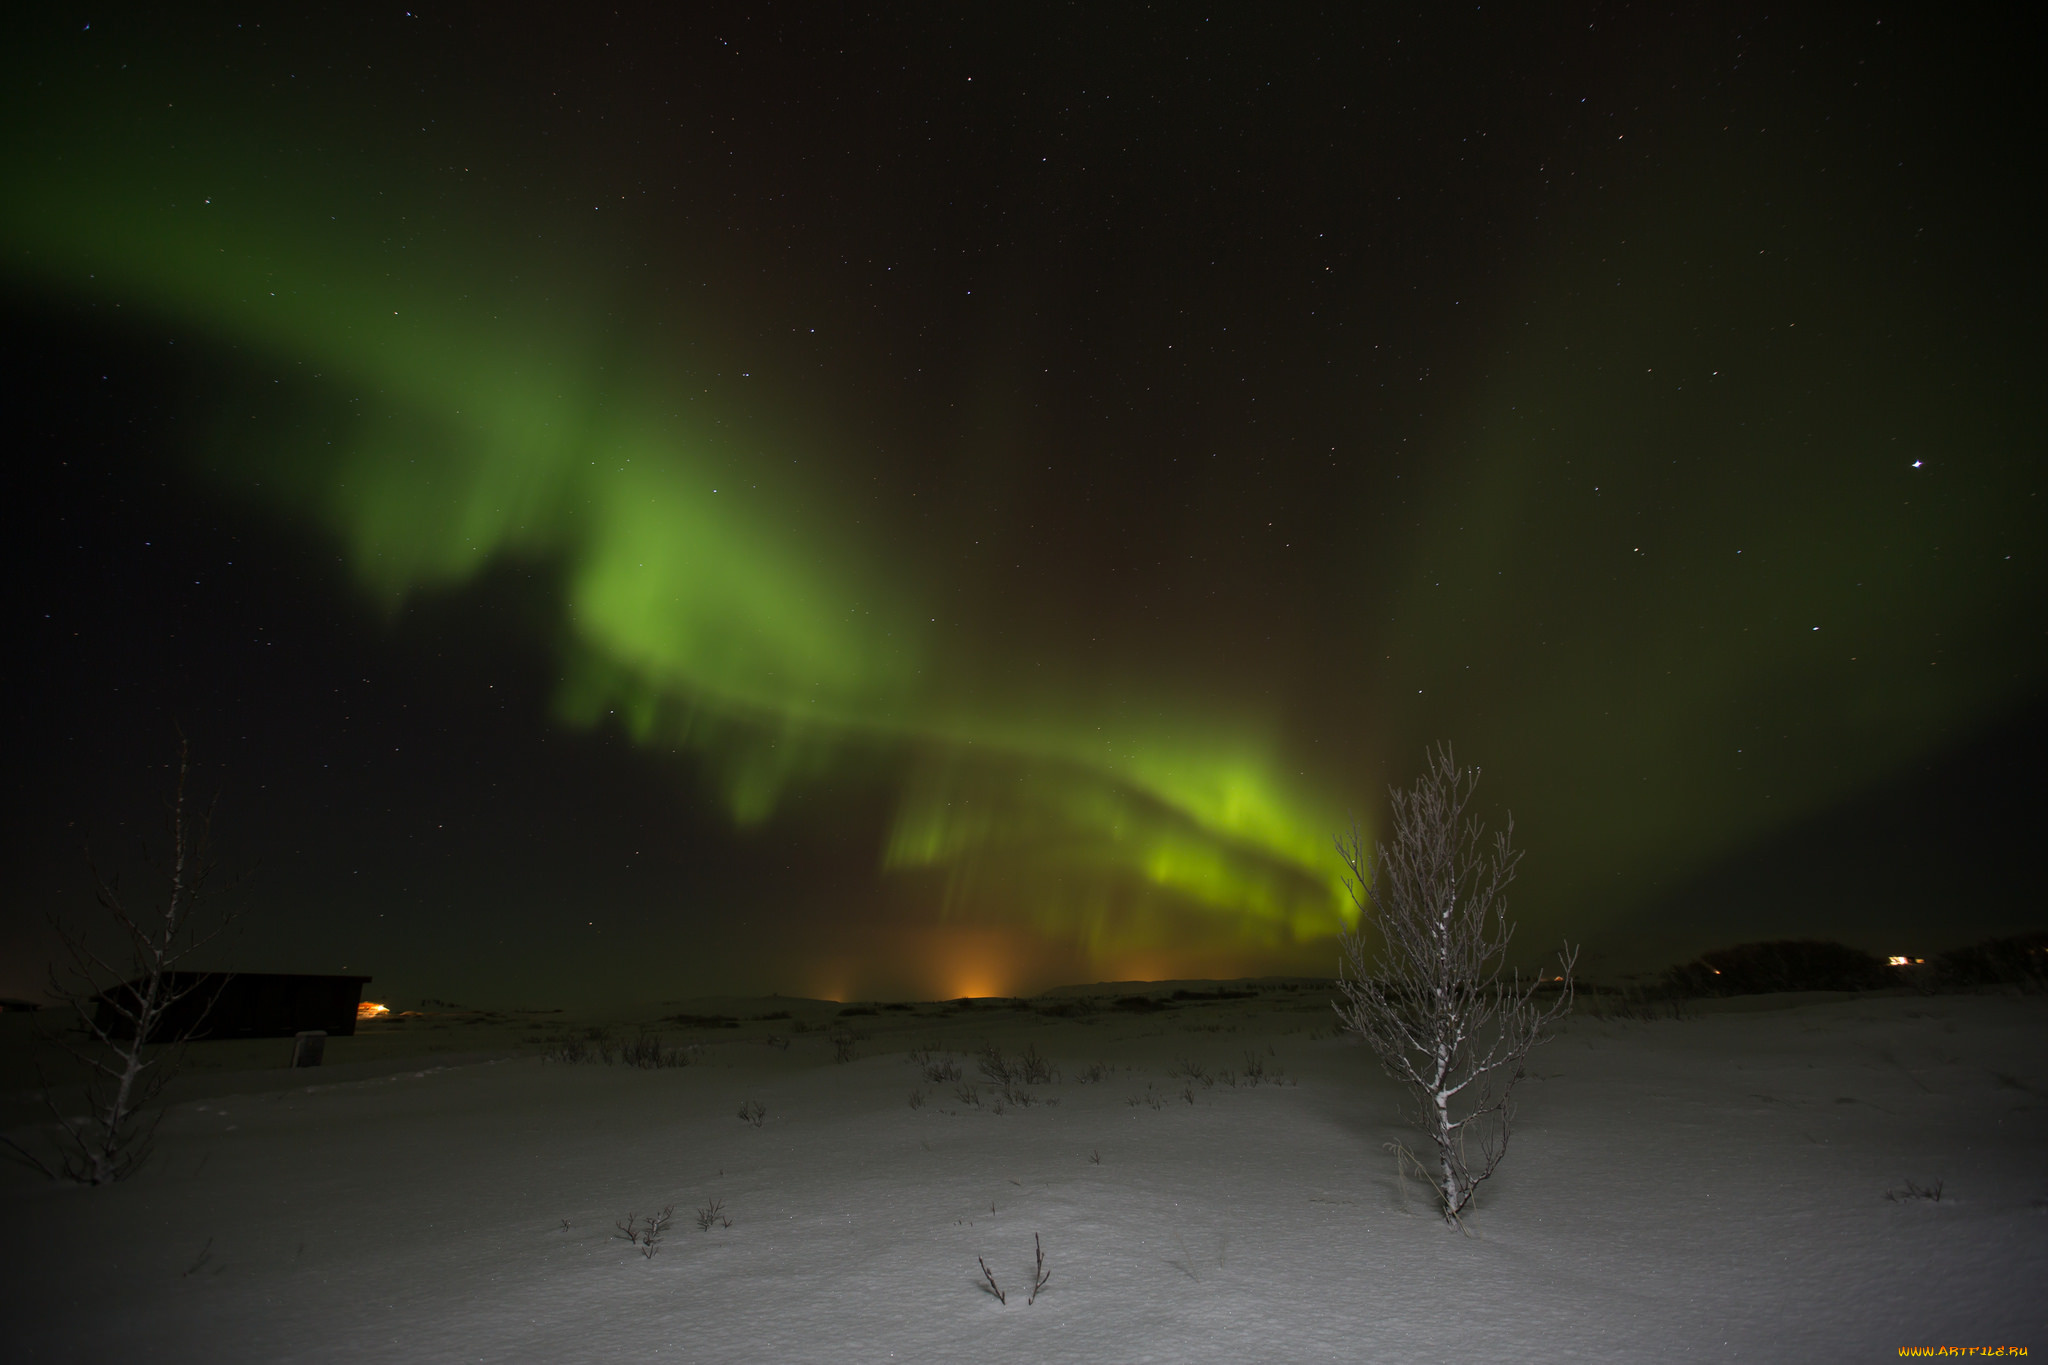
{"x":1912,"y":1193}
{"x":1016,"y":1094}
{"x":843,"y":1046}
{"x":1034,"y":1069}
{"x":1094,"y":1073}
{"x":566,"y":1049}
{"x":994,"y":1065}
{"x":916,"y":1098}
{"x":647,"y":1236}
{"x":657,"y":1224}
{"x":941,"y":1071}
{"x":1193,"y":1070}
{"x":968,"y":1094}
{"x":713,"y":1215}
{"x":1254,"y":1068}
{"x":649,"y":1053}
{"x":777,"y":1041}
{"x":1433,"y":1002}
{"x":754,"y":1112}
{"x":1095,"y":1157}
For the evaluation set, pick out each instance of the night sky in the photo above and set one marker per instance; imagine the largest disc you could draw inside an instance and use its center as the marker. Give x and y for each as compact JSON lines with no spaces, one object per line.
{"x":958,"y":500}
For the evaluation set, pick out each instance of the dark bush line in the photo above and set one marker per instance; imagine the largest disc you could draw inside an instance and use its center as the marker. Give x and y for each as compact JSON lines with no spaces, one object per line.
{"x":1780,"y":965}
{"x":710,"y":1020}
{"x":646,"y":1050}
{"x":2020,"y":962}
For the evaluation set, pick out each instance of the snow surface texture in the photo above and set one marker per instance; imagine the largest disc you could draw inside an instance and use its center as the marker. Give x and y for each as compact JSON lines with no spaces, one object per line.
{"x":1704,"y":1189}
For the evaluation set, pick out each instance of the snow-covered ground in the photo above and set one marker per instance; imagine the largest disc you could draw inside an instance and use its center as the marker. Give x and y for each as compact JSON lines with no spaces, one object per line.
{"x":1704,"y":1189}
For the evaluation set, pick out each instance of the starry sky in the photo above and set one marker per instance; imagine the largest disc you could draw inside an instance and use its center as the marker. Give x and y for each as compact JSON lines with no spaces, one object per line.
{"x":955,"y":500}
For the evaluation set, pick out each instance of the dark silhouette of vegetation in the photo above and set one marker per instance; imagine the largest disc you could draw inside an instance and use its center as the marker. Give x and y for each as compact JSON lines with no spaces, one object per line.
{"x":2021,"y":961}
{"x":1780,"y":965}
{"x":647,"y":1051}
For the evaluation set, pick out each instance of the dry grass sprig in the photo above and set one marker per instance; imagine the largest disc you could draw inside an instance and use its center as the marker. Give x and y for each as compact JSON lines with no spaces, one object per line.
{"x":993,"y":1287}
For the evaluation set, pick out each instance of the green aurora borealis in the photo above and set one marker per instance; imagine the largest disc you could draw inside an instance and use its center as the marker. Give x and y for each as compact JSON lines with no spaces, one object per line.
{"x":694,"y":617}
{"x":1711,"y":504}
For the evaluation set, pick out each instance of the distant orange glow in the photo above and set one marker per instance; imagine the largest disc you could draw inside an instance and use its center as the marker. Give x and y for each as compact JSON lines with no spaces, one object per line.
{"x":831,"y":982}
{"x":367,"y":1010}
{"x":971,"y":987}
{"x":959,"y":958}
{"x":974,"y":962}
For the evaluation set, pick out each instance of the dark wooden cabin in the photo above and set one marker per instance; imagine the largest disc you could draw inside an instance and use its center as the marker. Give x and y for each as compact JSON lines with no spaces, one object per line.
{"x":244,"y":1005}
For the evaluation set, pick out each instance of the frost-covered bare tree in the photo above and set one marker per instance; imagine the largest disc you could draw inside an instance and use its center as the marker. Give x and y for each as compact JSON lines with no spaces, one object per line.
{"x":1436,"y":1002}
{"x":131,"y":1027}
